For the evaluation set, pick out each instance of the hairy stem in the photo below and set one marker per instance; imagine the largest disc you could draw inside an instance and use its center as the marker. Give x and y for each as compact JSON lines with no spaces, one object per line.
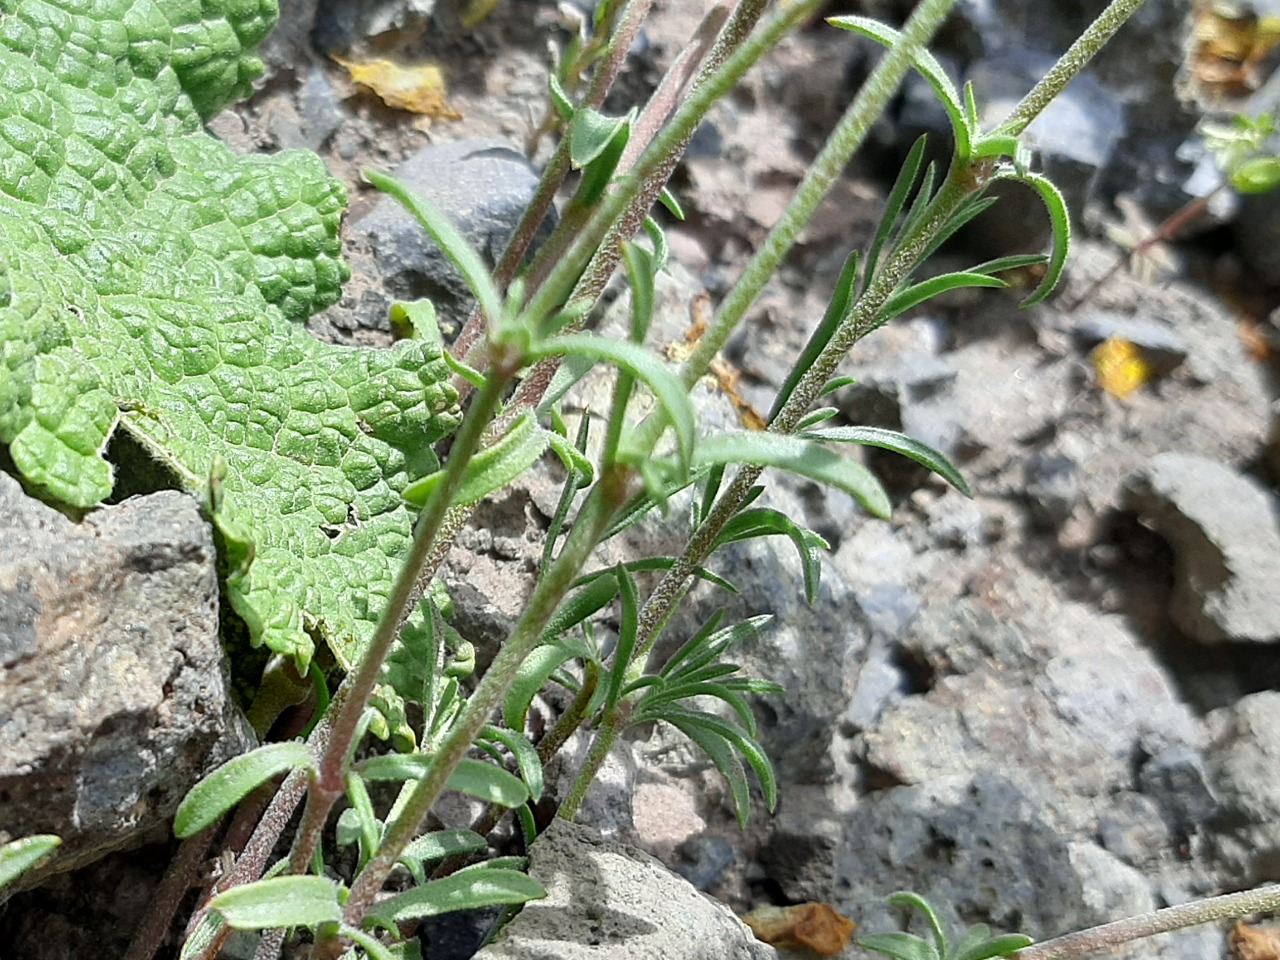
{"x":596,"y":515}
{"x":1110,"y":935}
{"x":605,"y":738}
{"x":1071,"y":63}
{"x":329,"y":782}
{"x":844,"y":141}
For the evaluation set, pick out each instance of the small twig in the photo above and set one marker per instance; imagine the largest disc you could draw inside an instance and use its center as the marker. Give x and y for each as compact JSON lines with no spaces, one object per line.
{"x":1167,"y":231}
{"x":1230,"y":906}
{"x":165,"y":899}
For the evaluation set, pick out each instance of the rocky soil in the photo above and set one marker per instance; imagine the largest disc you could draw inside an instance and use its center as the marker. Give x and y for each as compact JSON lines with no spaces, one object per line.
{"x":1047,"y":706}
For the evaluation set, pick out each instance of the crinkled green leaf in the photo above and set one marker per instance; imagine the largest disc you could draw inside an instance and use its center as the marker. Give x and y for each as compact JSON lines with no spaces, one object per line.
{"x":297,"y":901}
{"x":19,"y":856}
{"x":230,"y":783}
{"x":465,"y":890}
{"x":154,"y":281}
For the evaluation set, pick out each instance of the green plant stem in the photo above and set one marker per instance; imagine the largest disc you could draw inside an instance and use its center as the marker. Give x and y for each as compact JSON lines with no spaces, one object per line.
{"x":615,"y":722}
{"x":637,"y":191}
{"x":599,"y":509}
{"x":631,"y":19}
{"x":559,"y":285}
{"x":1104,"y":938}
{"x":571,"y":719}
{"x":329,"y":782}
{"x":844,"y":141}
{"x":1071,"y":63}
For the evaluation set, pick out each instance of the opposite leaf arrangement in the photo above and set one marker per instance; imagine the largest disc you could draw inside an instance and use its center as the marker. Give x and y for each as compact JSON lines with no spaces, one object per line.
{"x":155,"y":284}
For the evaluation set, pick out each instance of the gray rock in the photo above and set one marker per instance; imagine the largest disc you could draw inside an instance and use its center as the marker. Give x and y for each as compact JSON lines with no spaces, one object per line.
{"x":1223,"y":530}
{"x":1244,"y":768}
{"x":1177,"y":780}
{"x":966,"y":843}
{"x":114,"y":694}
{"x":607,"y":900}
{"x":482,"y":186}
{"x":338,"y":26}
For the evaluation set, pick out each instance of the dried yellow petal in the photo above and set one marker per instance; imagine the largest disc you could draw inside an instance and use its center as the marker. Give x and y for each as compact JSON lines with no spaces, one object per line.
{"x":418,"y":88}
{"x":1120,"y":367}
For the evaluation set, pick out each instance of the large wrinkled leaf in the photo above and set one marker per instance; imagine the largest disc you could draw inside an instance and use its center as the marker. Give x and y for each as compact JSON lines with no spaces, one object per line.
{"x":156,"y":283}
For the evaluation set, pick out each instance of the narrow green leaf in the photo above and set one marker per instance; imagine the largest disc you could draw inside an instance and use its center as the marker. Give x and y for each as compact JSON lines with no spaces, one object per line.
{"x":837,"y":310}
{"x":604,"y":154}
{"x":725,"y":760}
{"x":908,"y":898}
{"x":484,"y":781}
{"x":915,"y":214}
{"x":668,"y":200}
{"x":226,"y":786}
{"x":766,"y":522}
{"x":661,"y":251}
{"x":899,"y":946}
{"x":800,"y":456}
{"x":451,"y":243}
{"x":815,"y":417}
{"x":394,"y":766}
{"x":838,"y":383}
{"x":444,"y":843}
{"x":641,"y":276}
{"x":1015,"y":262}
{"x":295,"y":901}
{"x":926,"y":290}
{"x":1003,"y":945}
{"x":739,"y":739}
{"x":19,"y":856}
{"x":971,"y":208}
{"x":905,"y":182}
{"x":708,"y":644}
{"x":1060,"y":221}
{"x":525,"y":755}
{"x":627,"y":634}
{"x":202,"y":937}
{"x":469,"y":374}
{"x":367,"y":819}
{"x":559,"y":99}
{"x":640,"y":363}
{"x":580,"y":469}
{"x":492,"y":468}
{"x":929,"y":68}
{"x":590,"y":134}
{"x":650,"y":564}
{"x":367,"y":942}
{"x":466,"y":890}
{"x":921,"y":453}
{"x":970,"y":105}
